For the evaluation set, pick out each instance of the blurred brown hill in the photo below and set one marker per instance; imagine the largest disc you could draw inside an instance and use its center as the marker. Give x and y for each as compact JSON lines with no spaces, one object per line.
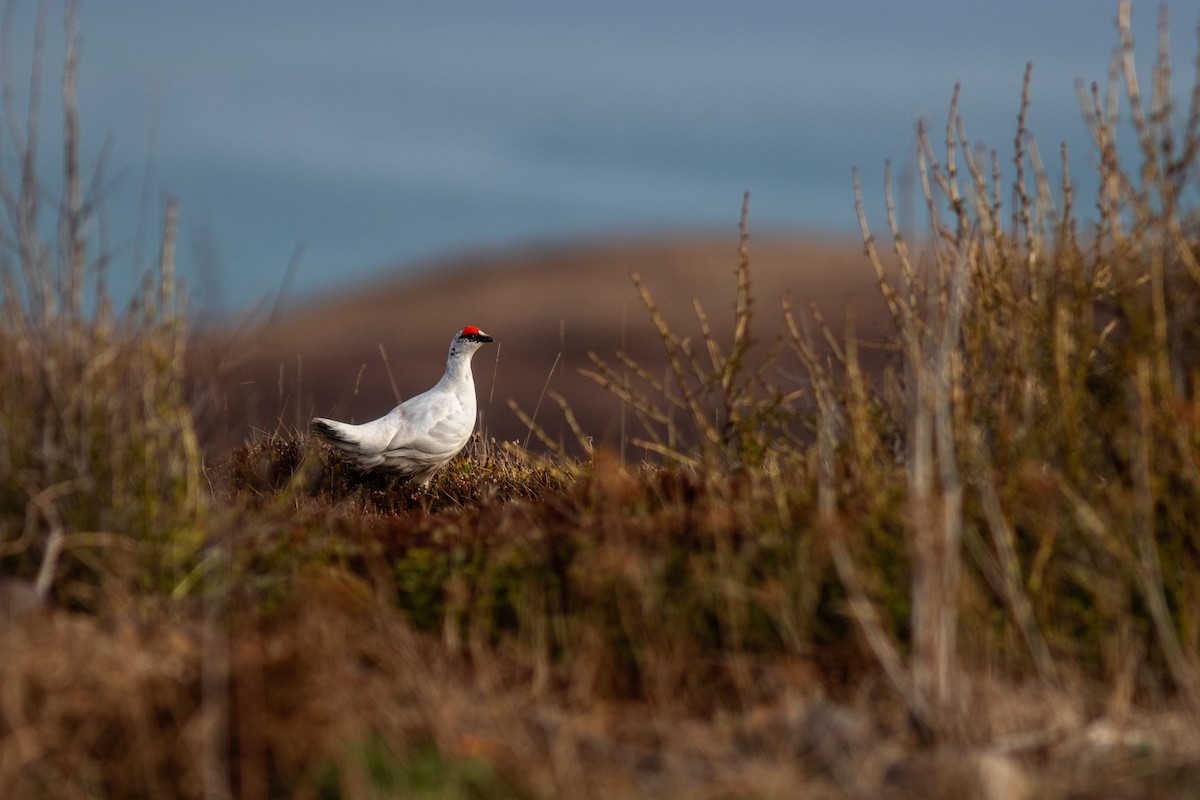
{"x":547,"y":308}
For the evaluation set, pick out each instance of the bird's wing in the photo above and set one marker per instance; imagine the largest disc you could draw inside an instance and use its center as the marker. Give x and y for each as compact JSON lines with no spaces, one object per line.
{"x":430,"y":424}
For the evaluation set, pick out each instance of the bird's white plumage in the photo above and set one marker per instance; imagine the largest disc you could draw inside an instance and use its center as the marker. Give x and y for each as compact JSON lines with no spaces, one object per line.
{"x":424,"y":432}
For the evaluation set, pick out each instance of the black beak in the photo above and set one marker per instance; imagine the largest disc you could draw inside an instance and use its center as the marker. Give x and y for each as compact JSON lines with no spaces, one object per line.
{"x":479,"y":337}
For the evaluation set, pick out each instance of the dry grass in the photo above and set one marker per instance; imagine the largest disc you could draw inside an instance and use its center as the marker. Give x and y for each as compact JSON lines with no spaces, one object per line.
{"x":972,"y":574}
{"x":98,"y":452}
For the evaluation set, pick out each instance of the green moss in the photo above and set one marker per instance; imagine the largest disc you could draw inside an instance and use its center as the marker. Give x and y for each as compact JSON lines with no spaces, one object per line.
{"x":420,"y":580}
{"x":421,"y":772}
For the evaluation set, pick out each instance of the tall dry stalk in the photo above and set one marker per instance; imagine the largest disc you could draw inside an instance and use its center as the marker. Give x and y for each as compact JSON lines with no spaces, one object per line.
{"x":98,"y":457}
{"x":729,"y":411}
{"x":1025,"y":346}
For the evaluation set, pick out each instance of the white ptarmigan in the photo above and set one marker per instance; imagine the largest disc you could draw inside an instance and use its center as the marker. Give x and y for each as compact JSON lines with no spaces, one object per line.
{"x":420,"y":435}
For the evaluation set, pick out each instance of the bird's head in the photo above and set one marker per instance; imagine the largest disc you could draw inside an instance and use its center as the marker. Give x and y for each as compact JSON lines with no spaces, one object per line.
{"x":472,"y":334}
{"x":468,"y":340}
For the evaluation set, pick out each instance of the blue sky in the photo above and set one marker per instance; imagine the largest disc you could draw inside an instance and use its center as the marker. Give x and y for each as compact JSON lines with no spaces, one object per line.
{"x":382,"y":135}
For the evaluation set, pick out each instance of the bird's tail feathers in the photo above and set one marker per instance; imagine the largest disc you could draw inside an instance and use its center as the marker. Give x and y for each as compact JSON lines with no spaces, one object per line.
{"x":334,"y":432}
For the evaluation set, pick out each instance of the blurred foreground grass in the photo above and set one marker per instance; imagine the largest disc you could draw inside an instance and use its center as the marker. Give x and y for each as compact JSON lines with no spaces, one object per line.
{"x":971,"y":574}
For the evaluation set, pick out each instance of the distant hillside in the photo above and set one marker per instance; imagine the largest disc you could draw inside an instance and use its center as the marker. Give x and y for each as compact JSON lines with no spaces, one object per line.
{"x":547,"y":308}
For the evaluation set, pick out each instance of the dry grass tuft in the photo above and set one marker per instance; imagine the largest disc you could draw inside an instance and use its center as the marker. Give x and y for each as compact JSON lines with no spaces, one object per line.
{"x":99,"y":464}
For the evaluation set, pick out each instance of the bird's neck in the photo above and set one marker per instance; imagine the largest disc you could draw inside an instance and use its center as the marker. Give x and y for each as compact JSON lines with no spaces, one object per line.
{"x":458,"y":370}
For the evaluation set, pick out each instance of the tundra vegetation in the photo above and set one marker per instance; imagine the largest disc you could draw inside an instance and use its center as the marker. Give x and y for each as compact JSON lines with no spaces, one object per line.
{"x":974,"y":571}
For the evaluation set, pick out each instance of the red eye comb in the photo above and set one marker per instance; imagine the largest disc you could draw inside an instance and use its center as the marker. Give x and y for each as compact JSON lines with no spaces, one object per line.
{"x":470,"y":330}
